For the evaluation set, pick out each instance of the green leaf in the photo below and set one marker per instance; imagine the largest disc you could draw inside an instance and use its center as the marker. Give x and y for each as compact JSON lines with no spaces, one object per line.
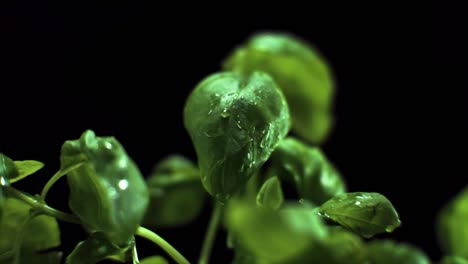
{"x":274,"y":236}
{"x":107,"y":192}
{"x":8,"y":169}
{"x":315,"y":178}
{"x":453,"y":260}
{"x":41,"y":233}
{"x":26,"y":168}
{"x":364,"y":213}
{"x":242,"y":256}
{"x":94,"y":249}
{"x":390,"y":252}
{"x":2,"y":202}
{"x":176,"y":193}
{"x":270,"y":194}
{"x":452,"y":226}
{"x":154,"y":260}
{"x":338,"y":247}
{"x":235,"y":121}
{"x":37,"y":258}
{"x":302,"y":74}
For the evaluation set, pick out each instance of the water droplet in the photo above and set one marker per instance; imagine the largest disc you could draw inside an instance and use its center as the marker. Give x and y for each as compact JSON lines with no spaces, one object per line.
{"x":301,"y":201}
{"x":108,"y":145}
{"x":238,"y":124}
{"x":357,"y":203}
{"x":224,"y":114}
{"x":211,"y":111}
{"x":123,"y":184}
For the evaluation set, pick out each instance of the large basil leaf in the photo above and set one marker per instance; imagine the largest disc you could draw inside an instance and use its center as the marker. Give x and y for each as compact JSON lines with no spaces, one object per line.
{"x":315,"y":178}
{"x":364,"y":213}
{"x":274,"y":236}
{"x":452,"y":226}
{"x":107,"y":192}
{"x":176,"y":193}
{"x":302,"y":74}
{"x":235,"y":121}
{"x":40,"y":233}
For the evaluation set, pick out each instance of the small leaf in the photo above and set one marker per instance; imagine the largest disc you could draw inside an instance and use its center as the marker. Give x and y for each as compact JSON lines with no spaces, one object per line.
{"x":235,"y":121}
{"x":107,"y":191}
{"x":26,"y":168}
{"x":8,"y":169}
{"x":452,"y":226}
{"x":270,"y":194}
{"x":176,"y":193}
{"x":302,"y":74}
{"x":390,"y":252}
{"x":364,"y":213}
{"x":41,"y":233}
{"x":315,"y":178}
{"x":154,"y":260}
{"x":94,"y":249}
{"x":269,"y":235}
{"x":453,"y":260}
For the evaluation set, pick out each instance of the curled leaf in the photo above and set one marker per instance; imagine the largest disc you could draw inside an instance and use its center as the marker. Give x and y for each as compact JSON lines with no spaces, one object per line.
{"x":107,"y":192}
{"x":314,"y":177}
{"x":176,"y":193}
{"x":367,"y":214}
{"x":452,"y":226}
{"x":235,"y":121}
{"x":270,"y":194}
{"x":300,"y":71}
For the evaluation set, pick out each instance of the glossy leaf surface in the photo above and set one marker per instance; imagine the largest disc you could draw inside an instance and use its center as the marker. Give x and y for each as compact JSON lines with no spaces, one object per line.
{"x":270,"y":194}
{"x":391,"y":252}
{"x":176,"y":193}
{"x":235,"y":121}
{"x":452,"y":226}
{"x":366,"y":214}
{"x":315,"y":178}
{"x":300,"y":72}
{"x":107,"y":192}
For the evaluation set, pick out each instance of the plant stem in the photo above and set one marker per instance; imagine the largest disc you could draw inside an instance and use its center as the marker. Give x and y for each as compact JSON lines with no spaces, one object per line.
{"x":210,"y":234}
{"x":59,"y":174}
{"x":41,"y":206}
{"x":150,"y":235}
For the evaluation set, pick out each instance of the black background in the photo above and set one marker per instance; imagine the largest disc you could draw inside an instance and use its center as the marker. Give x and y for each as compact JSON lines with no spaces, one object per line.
{"x":125,"y":69}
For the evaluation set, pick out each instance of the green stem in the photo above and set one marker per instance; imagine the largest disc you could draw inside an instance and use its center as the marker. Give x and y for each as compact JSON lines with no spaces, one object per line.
{"x":59,"y":174}
{"x":41,"y":206}
{"x":210,"y":234}
{"x":150,"y":235}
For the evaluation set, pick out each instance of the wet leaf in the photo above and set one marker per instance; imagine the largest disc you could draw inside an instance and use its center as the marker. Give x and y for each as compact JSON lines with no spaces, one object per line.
{"x":315,"y":178}
{"x":390,"y":252}
{"x":269,"y":235}
{"x":107,"y":192}
{"x":452,"y":226}
{"x":235,"y":121}
{"x":367,"y":214}
{"x":176,"y":193}
{"x":300,"y":71}
{"x":270,"y":195}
